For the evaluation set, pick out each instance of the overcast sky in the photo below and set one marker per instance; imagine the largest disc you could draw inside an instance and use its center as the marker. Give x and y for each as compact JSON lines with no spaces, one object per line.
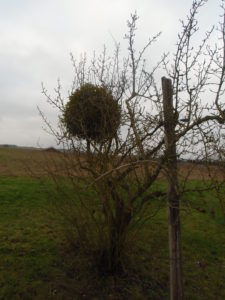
{"x":36,"y":38}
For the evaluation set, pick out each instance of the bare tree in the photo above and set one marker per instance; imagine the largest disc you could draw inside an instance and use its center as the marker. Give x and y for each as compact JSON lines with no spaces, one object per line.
{"x":158,"y":126}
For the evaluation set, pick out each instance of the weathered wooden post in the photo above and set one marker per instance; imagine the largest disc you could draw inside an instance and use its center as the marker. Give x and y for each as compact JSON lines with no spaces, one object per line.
{"x":176,"y":276}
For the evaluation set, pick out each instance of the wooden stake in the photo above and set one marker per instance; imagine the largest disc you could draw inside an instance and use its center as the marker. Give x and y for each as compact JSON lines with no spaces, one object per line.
{"x":176,"y":274}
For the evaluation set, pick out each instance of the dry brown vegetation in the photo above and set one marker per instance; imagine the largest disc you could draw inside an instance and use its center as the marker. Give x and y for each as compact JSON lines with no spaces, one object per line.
{"x":40,"y":162}
{"x":24,"y":162}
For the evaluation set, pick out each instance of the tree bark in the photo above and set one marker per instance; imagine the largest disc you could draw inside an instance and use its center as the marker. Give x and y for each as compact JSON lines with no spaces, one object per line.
{"x":175,"y":253}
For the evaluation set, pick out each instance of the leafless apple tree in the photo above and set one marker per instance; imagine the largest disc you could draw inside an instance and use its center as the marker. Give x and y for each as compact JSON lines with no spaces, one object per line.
{"x":182,"y":118}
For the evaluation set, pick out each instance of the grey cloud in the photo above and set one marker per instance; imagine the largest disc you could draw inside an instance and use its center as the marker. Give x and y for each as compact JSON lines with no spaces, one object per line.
{"x":37,"y":36}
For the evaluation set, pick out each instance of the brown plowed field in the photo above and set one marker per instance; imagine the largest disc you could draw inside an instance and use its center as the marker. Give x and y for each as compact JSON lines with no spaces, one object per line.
{"x":27,"y":162}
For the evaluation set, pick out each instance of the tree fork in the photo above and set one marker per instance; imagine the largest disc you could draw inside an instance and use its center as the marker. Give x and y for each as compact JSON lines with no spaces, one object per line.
{"x":175,"y":253}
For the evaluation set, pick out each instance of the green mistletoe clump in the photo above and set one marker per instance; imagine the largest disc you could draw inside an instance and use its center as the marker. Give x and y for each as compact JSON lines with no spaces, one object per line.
{"x":92,"y":113}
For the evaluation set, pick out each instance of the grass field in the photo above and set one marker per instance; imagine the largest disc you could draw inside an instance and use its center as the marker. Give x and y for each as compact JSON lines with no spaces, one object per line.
{"x":38,"y":262}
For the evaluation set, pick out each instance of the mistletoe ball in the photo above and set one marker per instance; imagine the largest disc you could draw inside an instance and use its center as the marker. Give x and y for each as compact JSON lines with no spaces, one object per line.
{"x":92,"y":113}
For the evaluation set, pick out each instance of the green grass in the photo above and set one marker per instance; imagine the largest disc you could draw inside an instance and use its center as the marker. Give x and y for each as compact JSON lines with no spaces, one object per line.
{"x":37,"y":262}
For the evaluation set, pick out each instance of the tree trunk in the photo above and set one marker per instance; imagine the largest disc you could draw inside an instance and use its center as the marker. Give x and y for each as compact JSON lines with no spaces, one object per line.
{"x":176,"y":276}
